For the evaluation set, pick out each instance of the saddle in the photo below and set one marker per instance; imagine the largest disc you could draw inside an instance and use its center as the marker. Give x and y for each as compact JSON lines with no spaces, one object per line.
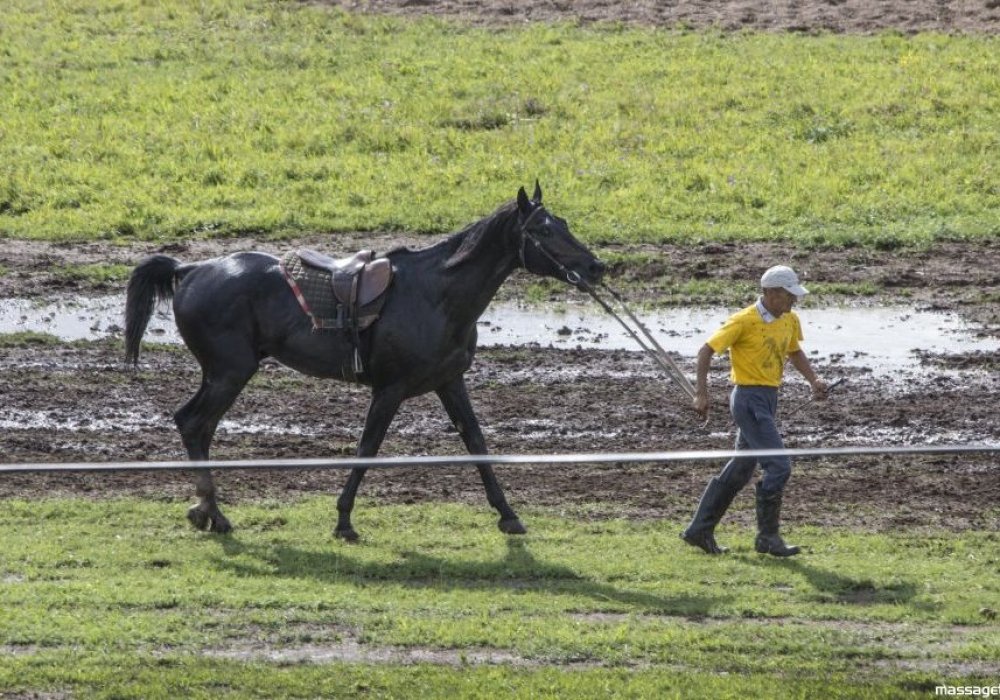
{"x":339,"y":294}
{"x":357,"y":281}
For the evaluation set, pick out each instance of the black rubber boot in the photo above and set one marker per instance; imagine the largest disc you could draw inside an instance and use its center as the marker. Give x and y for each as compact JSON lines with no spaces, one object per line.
{"x":714,"y":502}
{"x":768,"y":514}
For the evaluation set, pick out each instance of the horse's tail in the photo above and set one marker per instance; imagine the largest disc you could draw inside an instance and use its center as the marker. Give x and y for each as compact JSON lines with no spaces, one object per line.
{"x":151,"y":281}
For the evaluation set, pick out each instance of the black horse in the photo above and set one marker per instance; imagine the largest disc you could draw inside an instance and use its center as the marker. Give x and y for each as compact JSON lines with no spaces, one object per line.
{"x":236,"y":310}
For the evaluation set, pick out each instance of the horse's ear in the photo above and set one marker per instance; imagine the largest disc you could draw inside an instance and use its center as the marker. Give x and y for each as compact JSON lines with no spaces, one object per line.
{"x":537,"y":197}
{"x":523,"y":203}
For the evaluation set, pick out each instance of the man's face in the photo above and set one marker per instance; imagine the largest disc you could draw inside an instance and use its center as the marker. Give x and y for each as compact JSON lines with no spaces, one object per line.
{"x":779,"y":301}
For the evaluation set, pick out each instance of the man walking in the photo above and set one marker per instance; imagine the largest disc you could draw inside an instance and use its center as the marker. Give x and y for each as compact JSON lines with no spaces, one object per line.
{"x":760,"y":339}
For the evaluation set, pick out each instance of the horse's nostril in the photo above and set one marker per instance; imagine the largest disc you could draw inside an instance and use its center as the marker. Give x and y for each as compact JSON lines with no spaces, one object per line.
{"x":597,"y":268}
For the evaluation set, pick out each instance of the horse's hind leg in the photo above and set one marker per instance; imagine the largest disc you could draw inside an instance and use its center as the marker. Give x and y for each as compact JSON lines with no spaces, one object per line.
{"x":381,"y":410}
{"x":456,"y":402}
{"x":197,"y":421}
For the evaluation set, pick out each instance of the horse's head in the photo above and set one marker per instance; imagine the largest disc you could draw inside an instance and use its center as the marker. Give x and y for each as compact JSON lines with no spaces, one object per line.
{"x":548,"y":248}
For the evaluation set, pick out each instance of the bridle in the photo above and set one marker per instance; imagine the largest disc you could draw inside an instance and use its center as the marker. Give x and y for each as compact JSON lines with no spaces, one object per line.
{"x":651,"y":346}
{"x":572,"y":276}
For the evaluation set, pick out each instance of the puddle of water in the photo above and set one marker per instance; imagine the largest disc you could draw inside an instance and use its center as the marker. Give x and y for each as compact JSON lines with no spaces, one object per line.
{"x":90,"y":318}
{"x":132,"y":421}
{"x":884,"y":339}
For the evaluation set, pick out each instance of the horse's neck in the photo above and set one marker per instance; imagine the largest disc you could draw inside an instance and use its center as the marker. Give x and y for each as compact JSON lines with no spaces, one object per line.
{"x":475,"y":282}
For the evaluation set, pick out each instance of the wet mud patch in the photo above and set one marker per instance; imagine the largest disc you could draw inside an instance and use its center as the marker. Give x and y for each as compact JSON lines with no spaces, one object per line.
{"x":530,"y":401}
{"x":984,"y":361}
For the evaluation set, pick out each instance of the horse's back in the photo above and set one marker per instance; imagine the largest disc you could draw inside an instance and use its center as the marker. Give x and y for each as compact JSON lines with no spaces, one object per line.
{"x":227,"y":274}
{"x":212,"y":286}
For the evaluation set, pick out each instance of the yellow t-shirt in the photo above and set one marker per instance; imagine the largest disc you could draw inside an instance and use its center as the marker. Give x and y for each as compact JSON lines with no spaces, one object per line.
{"x":758,"y":350}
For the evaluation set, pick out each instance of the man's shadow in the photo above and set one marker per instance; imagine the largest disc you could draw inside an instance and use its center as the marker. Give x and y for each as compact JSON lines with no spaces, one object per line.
{"x":518,"y":568}
{"x":836,"y":588}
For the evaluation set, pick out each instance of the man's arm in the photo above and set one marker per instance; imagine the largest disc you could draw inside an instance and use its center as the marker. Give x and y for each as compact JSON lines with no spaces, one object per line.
{"x":700,"y":402}
{"x":801,"y":363}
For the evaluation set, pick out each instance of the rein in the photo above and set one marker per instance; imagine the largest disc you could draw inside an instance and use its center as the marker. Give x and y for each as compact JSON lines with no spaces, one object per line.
{"x":650,"y":345}
{"x":654,"y":349}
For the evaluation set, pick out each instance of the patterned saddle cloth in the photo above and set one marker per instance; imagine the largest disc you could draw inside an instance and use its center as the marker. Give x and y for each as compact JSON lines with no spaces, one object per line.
{"x":338,"y":294}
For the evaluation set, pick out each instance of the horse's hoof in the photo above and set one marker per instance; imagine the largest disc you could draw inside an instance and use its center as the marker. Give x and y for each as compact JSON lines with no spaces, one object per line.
{"x":221,"y":525}
{"x":198,"y":518}
{"x":513,"y":527}
{"x":347,"y":534}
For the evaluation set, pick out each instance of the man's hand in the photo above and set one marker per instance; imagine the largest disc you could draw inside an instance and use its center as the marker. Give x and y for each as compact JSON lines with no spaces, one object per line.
{"x":700,"y":403}
{"x":820,"y":390}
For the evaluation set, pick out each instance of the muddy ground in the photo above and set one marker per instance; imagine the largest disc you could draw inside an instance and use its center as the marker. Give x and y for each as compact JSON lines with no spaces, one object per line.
{"x":61,"y":403}
{"x":78,"y":402}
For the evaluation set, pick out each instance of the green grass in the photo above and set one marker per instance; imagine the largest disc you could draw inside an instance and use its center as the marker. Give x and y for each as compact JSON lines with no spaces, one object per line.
{"x":22,"y":339}
{"x":119,"y":598}
{"x":94,"y":274}
{"x":172,"y":120}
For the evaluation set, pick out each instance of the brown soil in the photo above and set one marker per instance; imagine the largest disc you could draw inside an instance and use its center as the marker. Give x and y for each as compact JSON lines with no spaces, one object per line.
{"x":85,"y":406}
{"x":807,"y":16}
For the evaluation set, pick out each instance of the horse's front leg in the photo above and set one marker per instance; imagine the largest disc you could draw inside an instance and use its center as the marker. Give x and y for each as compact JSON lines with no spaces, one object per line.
{"x":456,"y":402}
{"x":381,"y":411}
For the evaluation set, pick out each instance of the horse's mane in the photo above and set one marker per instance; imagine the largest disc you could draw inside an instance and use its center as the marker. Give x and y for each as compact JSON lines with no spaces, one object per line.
{"x":463,"y":244}
{"x":467,"y":242}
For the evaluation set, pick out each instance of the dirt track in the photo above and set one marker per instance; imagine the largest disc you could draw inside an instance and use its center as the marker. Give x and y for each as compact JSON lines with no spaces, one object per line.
{"x":808,"y":16}
{"x":68,"y":403}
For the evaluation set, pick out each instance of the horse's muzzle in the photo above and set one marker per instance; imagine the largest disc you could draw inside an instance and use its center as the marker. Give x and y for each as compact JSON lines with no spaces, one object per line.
{"x":594,"y":272}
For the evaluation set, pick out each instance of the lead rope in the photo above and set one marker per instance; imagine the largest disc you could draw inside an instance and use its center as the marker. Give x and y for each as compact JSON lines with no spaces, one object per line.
{"x":654,"y":349}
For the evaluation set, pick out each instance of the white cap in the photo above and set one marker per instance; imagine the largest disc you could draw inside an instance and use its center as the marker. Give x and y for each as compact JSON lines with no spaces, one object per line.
{"x":783,"y":277}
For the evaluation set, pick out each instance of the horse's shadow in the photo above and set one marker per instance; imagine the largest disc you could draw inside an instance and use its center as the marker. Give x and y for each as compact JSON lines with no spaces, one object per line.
{"x":519,"y":568}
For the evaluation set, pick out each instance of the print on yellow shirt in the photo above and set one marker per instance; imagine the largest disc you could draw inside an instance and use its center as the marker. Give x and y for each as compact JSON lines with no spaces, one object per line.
{"x":758,"y":350}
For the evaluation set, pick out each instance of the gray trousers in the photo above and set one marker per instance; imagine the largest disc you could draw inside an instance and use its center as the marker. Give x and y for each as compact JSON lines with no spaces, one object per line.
{"x":754,"y":409}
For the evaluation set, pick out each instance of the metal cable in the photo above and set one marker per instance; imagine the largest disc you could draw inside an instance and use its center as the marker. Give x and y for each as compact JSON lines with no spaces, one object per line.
{"x":469,"y":460}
